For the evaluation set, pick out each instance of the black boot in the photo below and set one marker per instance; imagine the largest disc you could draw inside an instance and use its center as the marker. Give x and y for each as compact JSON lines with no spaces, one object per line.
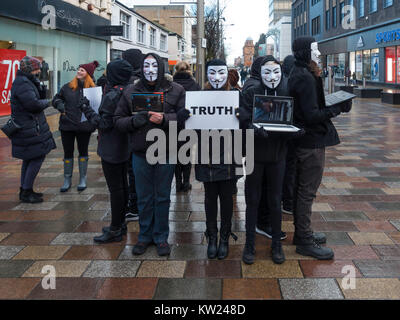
{"x":109,"y":236}
{"x":248,"y":253}
{"x":124,"y":229}
{"x":212,"y":244}
{"x":186,"y":186}
{"x":223,"y":249}
{"x":278,"y":256}
{"x":27,"y":196}
{"x":39,"y":194}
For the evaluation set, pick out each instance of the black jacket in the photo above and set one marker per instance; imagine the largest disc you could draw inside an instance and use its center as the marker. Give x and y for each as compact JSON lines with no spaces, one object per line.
{"x":186,"y":81}
{"x":310,"y":111}
{"x":174,"y":100}
{"x":71,"y":121}
{"x":34,"y":139}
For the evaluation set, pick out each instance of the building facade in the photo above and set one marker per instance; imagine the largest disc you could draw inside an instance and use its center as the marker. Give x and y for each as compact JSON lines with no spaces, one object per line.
{"x":60,"y":34}
{"x":248,"y":52}
{"x":138,"y":33}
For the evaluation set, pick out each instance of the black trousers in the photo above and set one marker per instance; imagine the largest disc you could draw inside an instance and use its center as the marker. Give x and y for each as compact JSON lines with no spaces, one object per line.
{"x":309,"y":170}
{"x":117,"y":182}
{"x":68,"y":142}
{"x":273,"y":172}
{"x":29,"y":171}
{"x":222,"y":190}
{"x":290,"y":175}
{"x":182,"y":172}
{"x":131,"y":180}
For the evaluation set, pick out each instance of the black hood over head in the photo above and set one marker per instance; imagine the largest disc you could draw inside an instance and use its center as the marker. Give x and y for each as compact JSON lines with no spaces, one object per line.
{"x":216,"y":62}
{"x":160,"y":76}
{"x":119,"y":72}
{"x":264,"y":61}
{"x":301,"y":48}
{"x":256,"y":68}
{"x":287,"y":65}
{"x":134,"y":57}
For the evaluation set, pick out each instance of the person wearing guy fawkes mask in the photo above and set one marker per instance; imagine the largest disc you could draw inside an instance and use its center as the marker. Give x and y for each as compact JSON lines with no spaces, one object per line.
{"x":219,"y":179}
{"x":310,"y":112}
{"x":153,"y":181}
{"x":269,"y":167}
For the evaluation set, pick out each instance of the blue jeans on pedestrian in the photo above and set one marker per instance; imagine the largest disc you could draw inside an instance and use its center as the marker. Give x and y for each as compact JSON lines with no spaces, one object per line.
{"x":153,"y":188}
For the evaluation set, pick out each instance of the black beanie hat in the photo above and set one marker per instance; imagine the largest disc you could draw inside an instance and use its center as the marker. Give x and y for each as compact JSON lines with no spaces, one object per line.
{"x":301,"y":48}
{"x":215,"y":62}
{"x":134,"y":57}
{"x":119,"y":72}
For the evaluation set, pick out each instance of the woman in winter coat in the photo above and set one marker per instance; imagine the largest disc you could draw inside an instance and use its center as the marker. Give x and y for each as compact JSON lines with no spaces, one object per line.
{"x":34,"y":140}
{"x":219,"y":179}
{"x":153,"y":181}
{"x":183,"y":76}
{"x":71,"y":125}
{"x":112,"y":148}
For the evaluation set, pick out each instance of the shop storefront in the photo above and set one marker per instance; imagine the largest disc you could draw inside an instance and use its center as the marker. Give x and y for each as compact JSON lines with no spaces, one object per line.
{"x":75,"y":40}
{"x":373,"y":55}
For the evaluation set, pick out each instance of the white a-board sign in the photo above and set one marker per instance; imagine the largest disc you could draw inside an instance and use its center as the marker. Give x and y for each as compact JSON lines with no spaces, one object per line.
{"x":212,"y":109}
{"x":94,"y":96}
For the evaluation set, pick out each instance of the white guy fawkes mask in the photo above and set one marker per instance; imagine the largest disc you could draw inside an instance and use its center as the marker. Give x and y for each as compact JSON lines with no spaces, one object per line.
{"x":271,"y":74}
{"x":315,"y":53}
{"x":217,"y":76}
{"x":150,"y":69}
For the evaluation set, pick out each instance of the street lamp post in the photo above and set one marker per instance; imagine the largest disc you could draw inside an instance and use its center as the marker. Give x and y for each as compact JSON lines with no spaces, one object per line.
{"x":200,"y":50}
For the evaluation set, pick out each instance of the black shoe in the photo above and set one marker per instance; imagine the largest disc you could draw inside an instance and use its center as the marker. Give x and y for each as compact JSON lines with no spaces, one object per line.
{"x":278,"y":256}
{"x":267,"y":232}
{"x":27,"y":196}
{"x":287,"y":208}
{"x":140,"y":248}
{"x":248,"y":254}
{"x":124,"y":229}
{"x":186,"y":187}
{"x":39,"y":194}
{"x":212,"y":245}
{"x":314,"y":250}
{"x":109,"y":236}
{"x":319,"y":238}
{"x":163,"y":249}
{"x":223,"y":249}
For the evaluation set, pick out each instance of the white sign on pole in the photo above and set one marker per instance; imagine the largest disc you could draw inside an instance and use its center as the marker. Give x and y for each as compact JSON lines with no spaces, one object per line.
{"x":212,"y":109}
{"x":94,"y":96}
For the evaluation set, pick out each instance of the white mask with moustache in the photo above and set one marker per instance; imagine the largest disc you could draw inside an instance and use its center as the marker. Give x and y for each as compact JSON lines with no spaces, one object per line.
{"x":150,"y":69}
{"x":217,"y":76}
{"x":271,"y":74}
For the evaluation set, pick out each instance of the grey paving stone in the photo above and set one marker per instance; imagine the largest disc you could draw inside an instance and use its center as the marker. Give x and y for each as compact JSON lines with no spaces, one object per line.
{"x":72,"y":197}
{"x":344,"y":216}
{"x":390,"y":206}
{"x":366,"y":191}
{"x":388,"y":252}
{"x":101,"y":205}
{"x":188,"y":252}
{"x":310,"y":289}
{"x":112,"y":269}
{"x":384,"y":179}
{"x":78,"y":238}
{"x":7,"y":252}
{"x":338,"y":238}
{"x":14,"y":268}
{"x":396,"y":224}
{"x":189,"y":289}
{"x":334,"y":192}
{"x":36,"y":206}
{"x":150,"y":254}
{"x":379,"y":269}
{"x":179,"y":226}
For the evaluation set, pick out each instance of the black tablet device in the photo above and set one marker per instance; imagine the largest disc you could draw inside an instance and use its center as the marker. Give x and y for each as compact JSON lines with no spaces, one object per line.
{"x":148,"y":102}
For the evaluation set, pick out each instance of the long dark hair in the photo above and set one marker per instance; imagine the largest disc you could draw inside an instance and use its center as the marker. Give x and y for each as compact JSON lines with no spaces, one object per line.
{"x":315,"y":69}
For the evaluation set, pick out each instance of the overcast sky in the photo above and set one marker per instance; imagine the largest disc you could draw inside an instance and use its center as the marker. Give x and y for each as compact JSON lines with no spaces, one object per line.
{"x":250,"y":19}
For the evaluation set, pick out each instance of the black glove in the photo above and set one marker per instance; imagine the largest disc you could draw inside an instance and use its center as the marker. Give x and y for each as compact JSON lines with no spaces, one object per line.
{"x":259,"y":132}
{"x":60,"y":106}
{"x":334,"y":110}
{"x":241,"y":114}
{"x":140,"y":119}
{"x":299,"y":133}
{"x":346,"y":106}
{"x":182,"y":115}
{"x":83,"y":103}
{"x":42,"y":91}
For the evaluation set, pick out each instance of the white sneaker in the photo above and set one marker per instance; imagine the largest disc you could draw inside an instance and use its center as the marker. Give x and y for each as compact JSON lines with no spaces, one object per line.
{"x":129,"y":216}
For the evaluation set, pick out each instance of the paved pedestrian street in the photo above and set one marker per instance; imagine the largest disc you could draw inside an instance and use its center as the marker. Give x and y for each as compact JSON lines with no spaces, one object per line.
{"x":358,"y":207}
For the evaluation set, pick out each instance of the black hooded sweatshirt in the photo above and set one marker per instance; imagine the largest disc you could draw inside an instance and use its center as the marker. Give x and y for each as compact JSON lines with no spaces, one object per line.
{"x":135,"y":58}
{"x":186,"y":81}
{"x":310,"y":111}
{"x":174,"y":100}
{"x":112,"y":144}
{"x":255,"y":74}
{"x":274,"y":148}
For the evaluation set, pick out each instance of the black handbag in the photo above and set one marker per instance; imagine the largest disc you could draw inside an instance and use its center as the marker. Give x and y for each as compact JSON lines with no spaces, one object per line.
{"x":10,"y":128}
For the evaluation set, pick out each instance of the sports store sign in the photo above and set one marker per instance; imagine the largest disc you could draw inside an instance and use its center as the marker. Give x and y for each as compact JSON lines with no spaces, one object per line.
{"x":9,"y":64}
{"x":388,"y":36}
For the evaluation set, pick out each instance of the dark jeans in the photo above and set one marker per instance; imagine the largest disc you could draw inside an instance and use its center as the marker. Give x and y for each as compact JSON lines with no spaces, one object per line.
{"x":68,"y":142}
{"x":29,"y":171}
{"x":290,"y":175}
{"x":182,"y":172}
{"x":273,"y":172}
{"x":222,"y":190}
{"x":116,"y":178}
{"x":263,"y":214}
{"x":153,"y":188}
{"x":309,"y":170}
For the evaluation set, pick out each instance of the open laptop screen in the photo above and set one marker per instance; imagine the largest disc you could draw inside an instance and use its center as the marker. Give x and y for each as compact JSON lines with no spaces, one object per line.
{"x":148,"y":102}
{"x":272,"y":109}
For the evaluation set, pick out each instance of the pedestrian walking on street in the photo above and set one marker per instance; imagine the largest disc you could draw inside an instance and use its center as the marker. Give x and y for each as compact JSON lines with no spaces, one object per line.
{"x":311,"y":114}
{"x":112,"y":148}
{"x":71,"y":125}
{"x":243,"y":75}
{"x":183,"y":76}
{"x":219,"y":179}
{"x":34,"y":140}
{"x":135,"y":59}
{"x":153,"y":181}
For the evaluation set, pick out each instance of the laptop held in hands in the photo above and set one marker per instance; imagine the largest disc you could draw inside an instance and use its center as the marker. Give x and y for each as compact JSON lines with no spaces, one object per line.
{"x":148,"y":102}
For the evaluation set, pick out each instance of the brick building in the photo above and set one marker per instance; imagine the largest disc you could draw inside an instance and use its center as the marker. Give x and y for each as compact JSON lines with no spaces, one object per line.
{"x":248,"y":52}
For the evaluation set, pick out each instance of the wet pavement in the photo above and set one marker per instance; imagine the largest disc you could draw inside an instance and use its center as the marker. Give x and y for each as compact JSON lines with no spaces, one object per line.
{"x":358,"y":207}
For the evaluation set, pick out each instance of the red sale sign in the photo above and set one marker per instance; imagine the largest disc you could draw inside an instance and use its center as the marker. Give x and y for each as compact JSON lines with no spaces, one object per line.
{"x":9,"y":64}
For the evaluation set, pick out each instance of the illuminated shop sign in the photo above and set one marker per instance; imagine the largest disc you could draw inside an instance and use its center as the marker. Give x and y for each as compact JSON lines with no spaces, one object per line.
{"x":388,"y":36}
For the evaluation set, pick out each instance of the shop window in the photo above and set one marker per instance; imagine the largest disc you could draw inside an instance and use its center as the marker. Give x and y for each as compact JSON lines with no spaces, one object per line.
{"x":352,"y":63}
{"x":367,"y":64}
{"x":375,"y":64}
{"x":390,"y":59}
{"x":359,"y":65}
{"x":398,"y":64}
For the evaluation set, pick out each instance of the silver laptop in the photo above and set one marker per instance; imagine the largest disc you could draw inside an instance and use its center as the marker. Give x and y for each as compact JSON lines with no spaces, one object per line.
{"x":273,"y":113}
